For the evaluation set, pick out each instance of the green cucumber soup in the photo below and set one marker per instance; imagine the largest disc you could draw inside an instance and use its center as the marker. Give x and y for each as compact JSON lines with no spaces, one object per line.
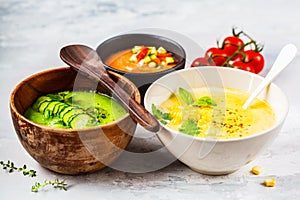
{"x":76,"y":109}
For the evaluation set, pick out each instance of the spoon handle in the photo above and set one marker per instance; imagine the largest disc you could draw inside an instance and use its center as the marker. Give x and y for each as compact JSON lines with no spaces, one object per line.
{"x":284,"y":58}
{"x":138,"y":112}
{"x":85,"y":60}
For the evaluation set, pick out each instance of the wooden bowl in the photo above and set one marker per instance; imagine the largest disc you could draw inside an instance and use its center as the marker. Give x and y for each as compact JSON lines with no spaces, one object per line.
{"x":70,"y":151}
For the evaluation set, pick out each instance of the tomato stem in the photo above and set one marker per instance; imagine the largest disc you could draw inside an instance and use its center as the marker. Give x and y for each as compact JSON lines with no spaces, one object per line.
{"x":236,"y":34}
{"x":257,"y":47}
{"x":238,"y":51}
{"x":218,"y":44}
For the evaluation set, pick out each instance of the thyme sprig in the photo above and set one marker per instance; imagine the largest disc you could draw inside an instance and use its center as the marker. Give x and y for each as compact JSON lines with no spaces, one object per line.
{"x":60,"y":184}
{"x":10,"y":167}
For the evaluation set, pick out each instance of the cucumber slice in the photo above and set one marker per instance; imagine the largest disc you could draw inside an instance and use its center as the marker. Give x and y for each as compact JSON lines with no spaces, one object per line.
{"x":48,"y":111}
{"x":80,"y":121}
{"x":39,"y":101}
{"x":47,"y":114}
{"x":51,"y":106}
{"x":161,"y":50}
{"x":43,"y":106}
{"x":57,"y":124}
{"x":136,"y":49}
{"x":71,"y":114}
{"x":61,"y":108}
{"x":64,"y":111}
{"x":56,"y":107}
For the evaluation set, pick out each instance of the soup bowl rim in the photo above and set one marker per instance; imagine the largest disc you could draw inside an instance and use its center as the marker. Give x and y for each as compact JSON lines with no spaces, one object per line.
{"x":55,"y":129}
{"x":278,"y":123}
{"x":159,"y":37}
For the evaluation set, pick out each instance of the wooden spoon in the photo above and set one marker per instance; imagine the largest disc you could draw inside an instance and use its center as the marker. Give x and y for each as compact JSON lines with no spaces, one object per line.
{"x":86,"y":60}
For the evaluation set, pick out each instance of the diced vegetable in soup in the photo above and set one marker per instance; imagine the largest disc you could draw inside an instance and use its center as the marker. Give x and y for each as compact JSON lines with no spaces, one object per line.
{"x":214,"y":112}
{"x":142,"y":59}
{"x":78,"y":109}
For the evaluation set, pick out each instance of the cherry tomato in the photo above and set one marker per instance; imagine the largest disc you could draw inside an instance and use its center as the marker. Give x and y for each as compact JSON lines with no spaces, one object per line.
{"x":218,"y":56}
{"x":201,"y":61}
{"x":243,"y":66}
{"x":255,"y":59}
{"x":231,"y":44}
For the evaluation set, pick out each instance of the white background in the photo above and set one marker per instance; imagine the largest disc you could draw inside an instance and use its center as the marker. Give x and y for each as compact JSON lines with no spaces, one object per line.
{"x":33,"y":31}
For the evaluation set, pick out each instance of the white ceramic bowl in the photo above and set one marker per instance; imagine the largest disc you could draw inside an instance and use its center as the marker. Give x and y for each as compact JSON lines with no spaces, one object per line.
{"x":222,"y":156}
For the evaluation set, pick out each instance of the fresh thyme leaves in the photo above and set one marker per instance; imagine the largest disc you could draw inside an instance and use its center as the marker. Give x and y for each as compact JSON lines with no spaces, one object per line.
{"x":10,"y":167}
{"x":163,"y":117}
{"x":185,"y":96}
{"x":60,"y":184}
{"x":190,"y":127}
{"x":204,"y":101}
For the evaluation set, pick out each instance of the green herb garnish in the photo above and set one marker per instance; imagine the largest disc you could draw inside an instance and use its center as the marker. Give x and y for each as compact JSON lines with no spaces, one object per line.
{"x":190,"y":127}
{"x":55,"y":97}
{"x":56,"y":184}
{"x":65,"y":97}
{"x":163,"y":117}
{"x":10,"y":167}
{"x":204,"y":101}
{"x":185,"y":96}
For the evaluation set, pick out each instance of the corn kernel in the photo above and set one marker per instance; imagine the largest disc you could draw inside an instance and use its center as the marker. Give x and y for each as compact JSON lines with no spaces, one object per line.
{"x":270,"y":182}
{"x":256,"y":170}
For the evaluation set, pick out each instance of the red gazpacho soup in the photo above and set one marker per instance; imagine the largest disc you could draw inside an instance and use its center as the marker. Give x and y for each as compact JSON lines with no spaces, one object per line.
{"x":142,"y":59}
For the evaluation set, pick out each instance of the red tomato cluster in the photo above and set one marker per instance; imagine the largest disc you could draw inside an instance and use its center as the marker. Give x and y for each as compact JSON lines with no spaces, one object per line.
{"x":234,"y":52}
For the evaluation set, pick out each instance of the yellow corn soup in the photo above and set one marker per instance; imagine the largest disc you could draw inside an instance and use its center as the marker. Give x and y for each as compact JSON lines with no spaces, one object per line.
{"x":214,"y":112}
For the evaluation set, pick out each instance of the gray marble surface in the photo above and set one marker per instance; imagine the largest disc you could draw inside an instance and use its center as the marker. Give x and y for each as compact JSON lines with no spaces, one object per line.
{"x":32,"y":32}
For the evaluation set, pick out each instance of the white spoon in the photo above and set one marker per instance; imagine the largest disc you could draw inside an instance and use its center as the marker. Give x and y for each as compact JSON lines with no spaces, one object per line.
{"x":284,"y":58}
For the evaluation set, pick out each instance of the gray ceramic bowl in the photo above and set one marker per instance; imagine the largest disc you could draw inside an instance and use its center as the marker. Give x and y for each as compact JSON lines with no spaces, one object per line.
{"x":127,"y":41}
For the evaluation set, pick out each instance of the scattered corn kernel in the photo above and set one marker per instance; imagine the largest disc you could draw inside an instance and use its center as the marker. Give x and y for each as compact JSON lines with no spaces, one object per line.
{"x":270,"y":182}
{"x":256,"y":170}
